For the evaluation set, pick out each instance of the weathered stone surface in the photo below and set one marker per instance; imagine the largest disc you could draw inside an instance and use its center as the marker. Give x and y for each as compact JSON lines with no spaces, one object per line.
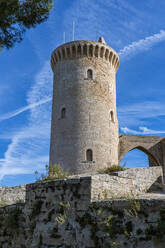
{"x":63,"y":213}
{"x":126,"y":183}
{"x":153,"y":146}
{"x":10,"y":195}
{"x":90,"y":106}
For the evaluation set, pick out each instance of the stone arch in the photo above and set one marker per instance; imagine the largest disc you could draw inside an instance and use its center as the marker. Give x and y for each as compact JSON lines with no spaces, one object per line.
{"x":89,"y":155}
{"x":117,"y":65}
{"x":63,"y":53}
{"x":79,"y":50}
{"x":56,"y":58}
{"x":113,"y":60}
{"x":116,"y":62}
{"x":142,"y":149}
{"x":89,"y":74}
{"x":59,"y":55}
{"x":91,"y":50}
{"x":102,"y":52}
{"x":97,"y":51}
{"x":85,"y":50}
{"x":106,"y":54}
{"x":111,"y":117}
{"x":154,"y":146}
{"x":63,"y":113}
{"x":110,"y":56}
{"x":73,"y":51}
{"x":68,"y":53}
{"x":53,"y":61}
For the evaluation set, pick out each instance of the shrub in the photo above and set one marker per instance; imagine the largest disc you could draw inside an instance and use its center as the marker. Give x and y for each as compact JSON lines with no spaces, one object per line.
{"x":4,"y":203}
{"x":53,"y":172}
{"x":111,"y":169}
{"x":56,"y":172}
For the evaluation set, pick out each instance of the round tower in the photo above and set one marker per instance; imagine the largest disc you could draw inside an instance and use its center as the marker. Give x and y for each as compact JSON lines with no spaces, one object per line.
{"x":84,"y":128}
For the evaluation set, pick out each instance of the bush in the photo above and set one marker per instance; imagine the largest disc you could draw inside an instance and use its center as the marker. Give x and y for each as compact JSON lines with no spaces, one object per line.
{"x":56,"y":172}
{"x":111,"y":169}
{"x":53,"y":172}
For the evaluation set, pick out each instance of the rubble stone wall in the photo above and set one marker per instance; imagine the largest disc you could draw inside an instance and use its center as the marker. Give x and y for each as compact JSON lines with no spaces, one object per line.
{"x":130,"y":182}
{"x":10,"y":195}
{"x":61,"y":214}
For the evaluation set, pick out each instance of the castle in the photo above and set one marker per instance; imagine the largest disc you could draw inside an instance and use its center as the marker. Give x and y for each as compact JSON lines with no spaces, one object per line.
{"x":125,"y":209}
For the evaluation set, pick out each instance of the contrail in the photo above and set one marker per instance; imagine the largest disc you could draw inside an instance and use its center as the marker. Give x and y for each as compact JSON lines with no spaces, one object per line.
{"x":23,"y":109}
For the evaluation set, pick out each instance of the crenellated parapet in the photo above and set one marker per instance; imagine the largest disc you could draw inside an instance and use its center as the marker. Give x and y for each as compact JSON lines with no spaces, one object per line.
{"x":82,"y":48}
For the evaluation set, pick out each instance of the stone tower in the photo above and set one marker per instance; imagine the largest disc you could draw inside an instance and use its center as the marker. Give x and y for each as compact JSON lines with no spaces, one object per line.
{"x":84,"y":128}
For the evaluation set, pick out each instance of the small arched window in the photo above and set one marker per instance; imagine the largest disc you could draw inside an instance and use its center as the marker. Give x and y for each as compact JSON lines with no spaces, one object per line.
{"x":112,"y":116}
{"x":63,"y":113}
{"x":89,"y":74}
{"x":89,"y":155}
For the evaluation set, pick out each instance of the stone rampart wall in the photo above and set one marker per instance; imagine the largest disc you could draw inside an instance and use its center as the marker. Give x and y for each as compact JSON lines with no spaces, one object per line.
{"x":130,"y":182}
{"x":75,"y":190}
{"x":54,"y":220}
{"x":10,"y":195}
{"x":95,"y":187}
{"x":76,"y":213}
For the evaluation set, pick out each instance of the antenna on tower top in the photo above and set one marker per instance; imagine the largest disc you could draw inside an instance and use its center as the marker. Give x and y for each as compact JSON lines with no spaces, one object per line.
{"x":64,"y":37}
{"x":73,"y":30}
{"x":97,"y":32}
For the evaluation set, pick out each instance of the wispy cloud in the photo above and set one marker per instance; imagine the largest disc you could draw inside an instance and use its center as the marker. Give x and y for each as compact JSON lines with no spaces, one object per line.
{"x":29,"y":147}
{"x":142,"y":131}
{"x":23,"y":109}
{"x":142,"y":45}
{"x":139,"y":112}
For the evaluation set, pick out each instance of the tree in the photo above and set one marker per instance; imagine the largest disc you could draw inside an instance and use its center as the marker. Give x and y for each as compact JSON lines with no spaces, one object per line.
{"x":18,"y":15}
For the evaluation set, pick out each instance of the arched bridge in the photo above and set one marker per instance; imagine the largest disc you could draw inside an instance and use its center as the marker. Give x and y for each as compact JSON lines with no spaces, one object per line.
{"x":153,"y":146}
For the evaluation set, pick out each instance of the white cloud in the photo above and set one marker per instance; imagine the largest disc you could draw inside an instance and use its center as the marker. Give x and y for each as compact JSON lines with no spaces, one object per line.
{"x":141,"y":45}
{"x":23,"y":109}
{"x":29,"y":147}
{"x":139,"y":112}
{"x":143,"y":131}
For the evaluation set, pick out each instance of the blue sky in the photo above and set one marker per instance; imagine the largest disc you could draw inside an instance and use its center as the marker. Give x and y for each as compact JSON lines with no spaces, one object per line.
{"x":135,"y":29}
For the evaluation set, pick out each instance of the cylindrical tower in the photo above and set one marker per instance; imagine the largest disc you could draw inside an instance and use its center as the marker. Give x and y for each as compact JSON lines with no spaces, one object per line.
{"x":84,"y":128}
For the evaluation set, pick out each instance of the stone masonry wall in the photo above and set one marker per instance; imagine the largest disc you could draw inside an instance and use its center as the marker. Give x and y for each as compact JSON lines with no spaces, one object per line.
{"x":125,"y":183}
{"x":60,"y":214}
{"x":131,"y":181}
{"x":10,"y":195}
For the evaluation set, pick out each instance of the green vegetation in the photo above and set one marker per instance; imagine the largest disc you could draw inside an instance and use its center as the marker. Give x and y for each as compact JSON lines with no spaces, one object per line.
{"x":61,"y":218}
{"x":17,"y":16}
{"x":64,"y":211}
{"x":105,"y":194}
{"x":20,"y":201}
{"x":134,"y":209}
{"x":3,"y":203}
{"x":111,"y":169}
{"x":56,"y":172}
{"x":52,"y":173}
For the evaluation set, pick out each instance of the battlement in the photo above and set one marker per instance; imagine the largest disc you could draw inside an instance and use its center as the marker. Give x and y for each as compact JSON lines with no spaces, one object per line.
{"x":84,"y":48}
